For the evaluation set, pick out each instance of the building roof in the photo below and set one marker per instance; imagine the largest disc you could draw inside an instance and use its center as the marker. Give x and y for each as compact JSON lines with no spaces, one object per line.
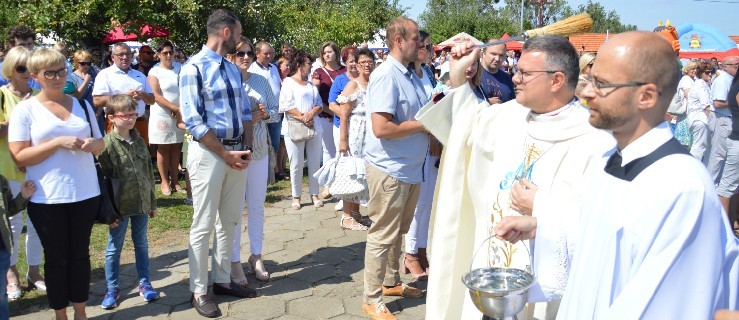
{"x":735,"y":39}
{"x":591,"y":41}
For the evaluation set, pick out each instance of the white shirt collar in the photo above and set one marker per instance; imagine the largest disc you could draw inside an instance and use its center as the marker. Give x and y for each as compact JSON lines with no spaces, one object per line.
{"x":645,"y":144}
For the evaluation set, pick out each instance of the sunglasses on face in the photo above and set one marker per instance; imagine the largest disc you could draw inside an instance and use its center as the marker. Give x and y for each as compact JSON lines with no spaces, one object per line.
{"x":21,"y":69}
{"x":178,"y":57}
{"x":166,"y":53}
{"x":241,"y":54}
{"x":85,"y":64}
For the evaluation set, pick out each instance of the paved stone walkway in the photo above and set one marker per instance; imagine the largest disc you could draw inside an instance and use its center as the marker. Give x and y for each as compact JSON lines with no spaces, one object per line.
{"x":316,"y":267}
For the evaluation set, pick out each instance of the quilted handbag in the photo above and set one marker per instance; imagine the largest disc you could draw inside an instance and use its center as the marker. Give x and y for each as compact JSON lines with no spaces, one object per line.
{"x":349,"y":178}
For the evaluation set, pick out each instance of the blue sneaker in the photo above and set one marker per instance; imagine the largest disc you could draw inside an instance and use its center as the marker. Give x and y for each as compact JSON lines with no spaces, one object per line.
{"x":110,"y":300}
{"x":147,"y":291}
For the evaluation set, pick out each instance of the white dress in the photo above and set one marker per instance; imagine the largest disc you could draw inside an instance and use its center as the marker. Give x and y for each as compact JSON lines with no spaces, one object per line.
{"x":162,"y":124}
{"x":357,"y":131}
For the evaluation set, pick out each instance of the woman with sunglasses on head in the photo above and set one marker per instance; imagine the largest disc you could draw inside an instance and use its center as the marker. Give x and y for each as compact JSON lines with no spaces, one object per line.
{"x":699,"y":109}
{"x":300,"y":101}
{"x":353,"y":117}
{"x":51,"y":137}
{"x":83,"y":78}
{"x":15,"y":70}
{"x":163,"y":130}
{"x":263,"y":105}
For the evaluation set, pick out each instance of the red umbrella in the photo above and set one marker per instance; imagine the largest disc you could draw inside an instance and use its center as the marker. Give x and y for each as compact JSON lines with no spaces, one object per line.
{"x":147,"y":31}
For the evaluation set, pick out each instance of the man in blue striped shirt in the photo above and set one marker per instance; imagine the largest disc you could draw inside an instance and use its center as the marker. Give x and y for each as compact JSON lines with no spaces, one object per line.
{"x":216,"y":112}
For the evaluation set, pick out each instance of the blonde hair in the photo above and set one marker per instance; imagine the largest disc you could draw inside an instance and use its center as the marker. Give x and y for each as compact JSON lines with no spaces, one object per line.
{"x":43,"y":58}
{"x":690,"y":65}
{"x":120,"y":103}
{"x":80,"y":55}
{"x":17,"y":56}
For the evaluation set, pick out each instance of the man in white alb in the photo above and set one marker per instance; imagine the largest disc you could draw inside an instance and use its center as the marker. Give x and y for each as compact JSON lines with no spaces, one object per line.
{"x":530,"y":156}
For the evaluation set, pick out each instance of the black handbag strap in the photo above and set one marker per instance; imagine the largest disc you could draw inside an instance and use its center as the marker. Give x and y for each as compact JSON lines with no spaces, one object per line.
{"x":107,"y":181}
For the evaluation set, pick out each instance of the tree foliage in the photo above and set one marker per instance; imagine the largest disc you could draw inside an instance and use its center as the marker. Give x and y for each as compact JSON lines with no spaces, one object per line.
{"x":445,"y":18}
{"x":305,"y":23}
{"x":482,"y":19}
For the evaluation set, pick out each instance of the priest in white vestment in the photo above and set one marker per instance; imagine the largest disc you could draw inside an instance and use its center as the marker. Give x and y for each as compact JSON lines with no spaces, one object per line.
{"x":653,"y":241}
{"x":531,"y":155}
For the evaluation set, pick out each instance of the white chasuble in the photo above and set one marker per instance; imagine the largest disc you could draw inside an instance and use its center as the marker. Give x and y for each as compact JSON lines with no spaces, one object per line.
{"x":486,"y":151}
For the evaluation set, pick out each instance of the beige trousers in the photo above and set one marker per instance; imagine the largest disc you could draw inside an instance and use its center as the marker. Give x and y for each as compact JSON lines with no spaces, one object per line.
{"x":218,"y":200}
{"x":391,"y":206}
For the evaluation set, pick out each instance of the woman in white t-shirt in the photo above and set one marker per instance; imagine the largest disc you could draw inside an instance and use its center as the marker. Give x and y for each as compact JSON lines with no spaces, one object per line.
{"x":299,"y":100}
{"x":682,"y":126}
{"x":50,"y":136}
{"x":163,"y":130}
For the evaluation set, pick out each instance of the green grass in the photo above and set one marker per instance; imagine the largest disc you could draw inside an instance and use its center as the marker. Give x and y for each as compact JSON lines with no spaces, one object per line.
{"x":173,"y":218}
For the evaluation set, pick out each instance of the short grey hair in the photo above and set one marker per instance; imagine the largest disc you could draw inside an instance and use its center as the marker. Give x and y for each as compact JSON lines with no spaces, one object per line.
{"x":560,"y":56}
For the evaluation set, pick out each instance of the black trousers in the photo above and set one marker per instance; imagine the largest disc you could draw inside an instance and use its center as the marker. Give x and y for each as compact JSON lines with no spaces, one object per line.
{"x":64,"y":230}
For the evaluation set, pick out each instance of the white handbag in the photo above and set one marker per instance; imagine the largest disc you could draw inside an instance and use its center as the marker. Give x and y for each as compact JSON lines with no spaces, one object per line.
{"x":349,"y":177}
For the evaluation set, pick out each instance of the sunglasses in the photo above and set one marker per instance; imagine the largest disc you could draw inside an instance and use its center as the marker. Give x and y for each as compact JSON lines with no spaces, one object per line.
{"x":21,"y":69}
{"x":87,"y":64}
{"x":429,"y":47}
{"x":241,"y":54}
{"x":166,"y":53}
{"x":178,"y":57}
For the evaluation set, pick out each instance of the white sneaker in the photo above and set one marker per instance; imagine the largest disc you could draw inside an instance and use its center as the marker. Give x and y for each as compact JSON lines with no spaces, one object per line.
{"x":339,"y":205}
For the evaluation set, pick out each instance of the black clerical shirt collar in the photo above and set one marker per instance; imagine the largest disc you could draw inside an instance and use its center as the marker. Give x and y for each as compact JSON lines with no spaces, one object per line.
{"x":643,"y":152}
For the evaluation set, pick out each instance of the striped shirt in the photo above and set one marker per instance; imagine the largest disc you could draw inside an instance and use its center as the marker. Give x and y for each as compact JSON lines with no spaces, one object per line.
{"x":211,"y":96}
{"x":259,"y":90}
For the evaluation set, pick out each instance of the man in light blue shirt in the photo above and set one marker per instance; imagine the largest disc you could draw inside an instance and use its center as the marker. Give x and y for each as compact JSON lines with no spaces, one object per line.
{"x":720,"y":123}
{"x":395,"y":151}
{"x":216,"y":111}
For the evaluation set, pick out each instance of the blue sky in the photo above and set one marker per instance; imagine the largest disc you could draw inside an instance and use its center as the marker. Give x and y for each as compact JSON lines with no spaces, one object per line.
{"x":646,"y":14}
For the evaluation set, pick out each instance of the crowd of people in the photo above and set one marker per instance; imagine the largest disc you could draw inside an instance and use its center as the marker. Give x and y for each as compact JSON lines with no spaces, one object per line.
{"x":515,"y":140}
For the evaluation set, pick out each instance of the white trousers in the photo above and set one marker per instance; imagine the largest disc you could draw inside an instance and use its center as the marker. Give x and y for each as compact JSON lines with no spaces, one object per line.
{"x":34,"y":250}
{"x":256,"y":193}
{"x":699,"y":130}
{"x":218,"y":200}
{"x":295,"y":152}
{"x":418,"y":234}
{"x":324,"y":128}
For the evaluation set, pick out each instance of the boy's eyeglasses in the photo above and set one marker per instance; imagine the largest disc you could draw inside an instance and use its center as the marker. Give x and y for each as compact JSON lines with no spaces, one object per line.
{"x":127,"y":116}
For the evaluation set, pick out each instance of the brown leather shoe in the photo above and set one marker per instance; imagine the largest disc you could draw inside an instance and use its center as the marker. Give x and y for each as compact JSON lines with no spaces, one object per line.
{"x":236,"y":290}
{"x":402,"y":290}
{"x":378,"y":312}
{"x":204,"y":306}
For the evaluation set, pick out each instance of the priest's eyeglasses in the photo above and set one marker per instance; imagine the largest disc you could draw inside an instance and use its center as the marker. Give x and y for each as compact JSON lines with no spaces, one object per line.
{"x":527,"y":76}
{"x":598,"y":86}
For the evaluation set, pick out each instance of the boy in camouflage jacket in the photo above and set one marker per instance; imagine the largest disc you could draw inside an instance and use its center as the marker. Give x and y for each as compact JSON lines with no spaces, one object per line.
{"x":126,"y":159}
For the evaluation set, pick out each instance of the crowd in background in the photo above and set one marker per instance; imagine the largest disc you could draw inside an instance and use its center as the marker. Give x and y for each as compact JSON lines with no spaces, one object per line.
{"x":324,"y":91}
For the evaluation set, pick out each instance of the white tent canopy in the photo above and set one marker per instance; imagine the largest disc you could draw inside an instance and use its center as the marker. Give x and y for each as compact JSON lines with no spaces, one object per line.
{"x":461,"y":37}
